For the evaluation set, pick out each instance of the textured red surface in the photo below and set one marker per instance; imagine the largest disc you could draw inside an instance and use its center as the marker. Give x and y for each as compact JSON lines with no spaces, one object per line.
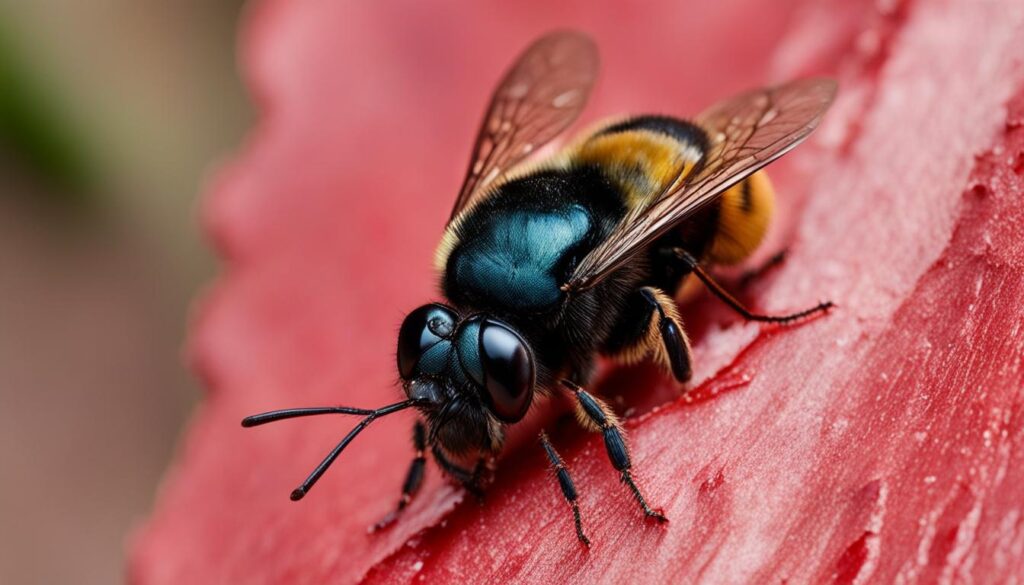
{"x":883,"y":441}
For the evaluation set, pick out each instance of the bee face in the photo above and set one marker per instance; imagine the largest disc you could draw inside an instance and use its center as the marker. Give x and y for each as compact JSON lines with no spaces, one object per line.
{"x":454,"y":366}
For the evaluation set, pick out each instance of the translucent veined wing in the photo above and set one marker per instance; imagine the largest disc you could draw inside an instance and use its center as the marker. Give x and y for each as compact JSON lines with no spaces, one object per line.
{"x":745,"y":133}
{"x":539,"y":97}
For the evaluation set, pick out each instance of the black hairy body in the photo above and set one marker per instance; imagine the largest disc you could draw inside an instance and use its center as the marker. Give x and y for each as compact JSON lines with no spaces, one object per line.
{"x":544,"y":266}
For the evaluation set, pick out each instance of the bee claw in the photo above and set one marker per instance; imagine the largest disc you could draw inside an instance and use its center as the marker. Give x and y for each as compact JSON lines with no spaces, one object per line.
{"x":657,"y":516}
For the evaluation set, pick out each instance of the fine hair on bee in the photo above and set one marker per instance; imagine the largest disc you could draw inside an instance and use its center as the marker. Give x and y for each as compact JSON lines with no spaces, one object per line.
{"x":547,"y":262}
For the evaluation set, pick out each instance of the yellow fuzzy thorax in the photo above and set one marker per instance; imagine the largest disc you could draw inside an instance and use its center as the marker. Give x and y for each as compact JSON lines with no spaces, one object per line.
{"x":642,"y":163}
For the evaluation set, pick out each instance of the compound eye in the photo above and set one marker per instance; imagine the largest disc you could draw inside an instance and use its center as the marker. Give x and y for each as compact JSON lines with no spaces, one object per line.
{"x":421,"y":330}
{"x":509,"y":373}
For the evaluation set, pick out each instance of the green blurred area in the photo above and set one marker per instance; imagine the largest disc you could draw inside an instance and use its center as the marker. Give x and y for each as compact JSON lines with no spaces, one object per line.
{"x":35,"y":129}
{"x":113,"y":113}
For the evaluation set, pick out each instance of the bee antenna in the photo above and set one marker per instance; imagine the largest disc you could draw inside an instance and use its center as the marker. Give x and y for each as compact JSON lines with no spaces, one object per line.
{"x":371,"y":415}
{"x":274,"y":415}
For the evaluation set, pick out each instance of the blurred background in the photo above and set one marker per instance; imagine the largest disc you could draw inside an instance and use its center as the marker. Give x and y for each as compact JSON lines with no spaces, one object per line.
{"x":112,"y":114}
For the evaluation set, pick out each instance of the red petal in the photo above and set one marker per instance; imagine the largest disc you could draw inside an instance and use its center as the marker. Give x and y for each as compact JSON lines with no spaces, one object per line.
{"x":884,"y":440}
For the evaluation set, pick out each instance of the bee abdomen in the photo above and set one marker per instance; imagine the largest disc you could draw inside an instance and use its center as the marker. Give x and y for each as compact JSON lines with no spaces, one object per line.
{"x":744,"y":212}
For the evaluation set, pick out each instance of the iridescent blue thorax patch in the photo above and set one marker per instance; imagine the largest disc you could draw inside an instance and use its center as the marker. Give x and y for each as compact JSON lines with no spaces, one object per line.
{"x":518,"y":256}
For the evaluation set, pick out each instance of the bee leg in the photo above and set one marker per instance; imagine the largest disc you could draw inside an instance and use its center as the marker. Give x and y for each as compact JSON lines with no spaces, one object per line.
{"x":413,"y":479}
{"x":693,"y":266}
{"x":674,"y":340}
{"x":470,"y":479}
{"x":565,"y":482}
{"x":650,"y":325}
{"x":595,"y":415}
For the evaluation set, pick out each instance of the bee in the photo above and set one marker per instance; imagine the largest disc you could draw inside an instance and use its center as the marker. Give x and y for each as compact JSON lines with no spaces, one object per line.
{"x":544,"y":265}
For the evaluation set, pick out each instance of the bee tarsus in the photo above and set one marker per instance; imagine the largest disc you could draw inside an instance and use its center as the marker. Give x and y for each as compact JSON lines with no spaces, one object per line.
{"x":566,"y":484}
{"x":595,"y":415}
{"x":627,"y":478}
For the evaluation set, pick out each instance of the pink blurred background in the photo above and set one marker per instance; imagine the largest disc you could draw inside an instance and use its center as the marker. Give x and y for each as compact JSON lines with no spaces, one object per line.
{"x":112,"y":113}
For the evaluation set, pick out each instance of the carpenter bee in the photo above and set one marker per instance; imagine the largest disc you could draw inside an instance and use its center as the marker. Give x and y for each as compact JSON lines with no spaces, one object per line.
{"x":545,"y":265}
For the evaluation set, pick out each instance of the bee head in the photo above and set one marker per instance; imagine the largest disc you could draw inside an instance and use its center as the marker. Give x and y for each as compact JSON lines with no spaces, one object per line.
{"x":477,"y":363}
{"x":466,"y":376}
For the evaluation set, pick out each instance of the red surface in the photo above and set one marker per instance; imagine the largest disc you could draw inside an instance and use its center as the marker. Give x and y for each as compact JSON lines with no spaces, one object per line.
{"x":883,"y":441}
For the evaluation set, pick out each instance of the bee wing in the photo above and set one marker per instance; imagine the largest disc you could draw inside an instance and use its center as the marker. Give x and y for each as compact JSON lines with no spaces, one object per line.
{"x":745,"y":133}
{"x":539,"y":97}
